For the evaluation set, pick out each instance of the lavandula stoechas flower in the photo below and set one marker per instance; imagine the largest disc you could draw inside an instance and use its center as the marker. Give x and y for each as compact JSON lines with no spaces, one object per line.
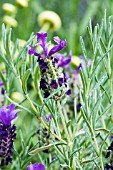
{"x":35,"y":166}
{"x":52,"y":74}
{"x":44,"y":138}
{"x":7,"y":133}
{"x":110,"y":156}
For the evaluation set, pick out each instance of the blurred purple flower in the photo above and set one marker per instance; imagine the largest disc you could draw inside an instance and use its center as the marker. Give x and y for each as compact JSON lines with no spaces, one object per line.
{"x":35,"y":166}
{"x":3,"y":91}
{"x":7,"y":114}
{"x":7,"y":133}
{"x":1,"y":83}
{"x":42,"y":41}
{"x":48,"y":118}
{"x":69,"y":92}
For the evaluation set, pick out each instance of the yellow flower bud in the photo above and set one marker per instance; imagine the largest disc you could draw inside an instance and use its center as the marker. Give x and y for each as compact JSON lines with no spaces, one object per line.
{"x":7,"y":7}
{"x":10,"y":21}
{"x":2,"y":67}
{"x":22,"y":3}
{"x":76,"y":61}
{"x":21,"y":43}
{"x":17,"y":97}
{"x":51,"y":18}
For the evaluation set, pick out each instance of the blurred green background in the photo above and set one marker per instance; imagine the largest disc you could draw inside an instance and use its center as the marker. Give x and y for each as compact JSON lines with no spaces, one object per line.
{"x":74,"y":14}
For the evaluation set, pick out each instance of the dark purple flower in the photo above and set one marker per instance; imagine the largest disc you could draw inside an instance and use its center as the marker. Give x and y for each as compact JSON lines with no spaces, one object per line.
{"x":66,"y":76}
{"x":43,"y":84}
{"x":35,"y":166}
{"x":60,"y":81}
{"x":53,"y":84}
{"x":78,"y":106}
{"x":69,"y":92}
{"x":46,"y":94}
{"x":7,"y":114}
{"x":48,"y":118}
{"x":108,"y":167}
{"x":7,"y":133}
{"x":3,"y":91}
{"x":42,"y":41}
{"x":42,"y":64}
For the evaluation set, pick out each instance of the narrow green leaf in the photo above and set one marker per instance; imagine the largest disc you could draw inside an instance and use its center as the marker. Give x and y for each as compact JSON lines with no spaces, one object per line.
{"x":90,"y":39}
{"x":9,"y":42}
{"x":24,"y":47}
{"x":76,"y":150}
{"x":15,"y":48}
{"x":24,"y":81}
{"x":83,"y":49}
{"x":36,"y":151}
{"x":37,"y":77}
{"x":4,"y":35}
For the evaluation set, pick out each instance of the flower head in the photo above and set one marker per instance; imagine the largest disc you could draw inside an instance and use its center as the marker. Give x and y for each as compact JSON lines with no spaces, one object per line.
{"x":7,"y":133}
{"x":35,"y":166}
{"x":51,"y":65}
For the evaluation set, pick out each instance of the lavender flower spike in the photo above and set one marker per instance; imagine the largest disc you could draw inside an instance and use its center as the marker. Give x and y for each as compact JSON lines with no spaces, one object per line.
{"x":35,"y":166}
{"x":7,"y":133}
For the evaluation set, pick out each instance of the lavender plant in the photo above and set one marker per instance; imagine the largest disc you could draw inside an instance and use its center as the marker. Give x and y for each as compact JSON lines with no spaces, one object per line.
{"x":61,"y":124}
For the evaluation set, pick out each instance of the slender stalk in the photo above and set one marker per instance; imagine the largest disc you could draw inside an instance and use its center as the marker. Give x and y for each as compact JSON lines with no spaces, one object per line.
{"x":41,"y":120}
{"x":67,"y":134}
{"x":45,"y":27}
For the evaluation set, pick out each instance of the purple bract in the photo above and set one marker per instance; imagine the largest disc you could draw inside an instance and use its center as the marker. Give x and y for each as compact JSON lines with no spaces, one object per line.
{"x":7,"y":114}
{"x":42,"y":41}
{"x":35,"y":166}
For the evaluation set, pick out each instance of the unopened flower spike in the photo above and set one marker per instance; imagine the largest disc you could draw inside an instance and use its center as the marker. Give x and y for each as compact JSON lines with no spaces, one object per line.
{"x":7,"y":133}
{"x":51,"y":65}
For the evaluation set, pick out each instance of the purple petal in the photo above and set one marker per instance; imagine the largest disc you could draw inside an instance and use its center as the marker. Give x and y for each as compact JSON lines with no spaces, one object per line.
{"x":56,"y":48}
{"x":7,"y":114}
{"x":48,"y":118}
{"x":1,"y":84}
{"x":46,"y":94}
{"x":53,"y":84}
{"x":35,"y":166}
{"x":60,"y":81}
{"x":30,"y":50}
{"x":40,"y":167}
{"x":3,"y":91}
{"x":66,"y":61}
{"x":69,"y":92}
{"x":57,"y":39}
{"x":42,"y":38}
{"x":42,"y":41}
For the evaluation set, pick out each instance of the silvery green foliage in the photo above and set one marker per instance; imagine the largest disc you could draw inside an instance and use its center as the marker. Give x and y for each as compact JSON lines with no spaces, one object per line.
{"x":79,"y":140}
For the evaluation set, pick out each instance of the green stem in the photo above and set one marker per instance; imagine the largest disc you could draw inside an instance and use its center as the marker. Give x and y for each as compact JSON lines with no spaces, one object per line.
{"x":41,"y":120}
{"x":45,"y":27}
{"x":66,"y":132}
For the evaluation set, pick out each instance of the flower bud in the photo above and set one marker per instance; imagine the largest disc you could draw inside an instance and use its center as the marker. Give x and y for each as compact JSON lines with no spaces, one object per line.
{"x":17,"y":97}
{"x":22,"y":3}
{"x":10,"y":21}
{"x":51,"y":18}
{"x":76,"y":61}
{"x":7,"y":7}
